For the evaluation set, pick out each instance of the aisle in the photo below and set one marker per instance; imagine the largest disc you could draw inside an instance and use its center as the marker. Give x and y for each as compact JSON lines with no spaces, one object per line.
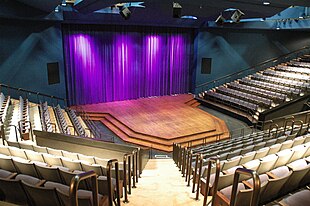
{"x":162,"y":184}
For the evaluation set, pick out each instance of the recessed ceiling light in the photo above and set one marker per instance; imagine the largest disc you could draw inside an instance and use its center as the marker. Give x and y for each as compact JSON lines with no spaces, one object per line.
{"x":266,"y":3}
{"x":278,"y":28}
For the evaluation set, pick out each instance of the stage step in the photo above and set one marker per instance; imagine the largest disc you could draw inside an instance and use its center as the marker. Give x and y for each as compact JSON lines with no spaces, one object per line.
{"x":145,"y":140}
{"x":192,"y":102}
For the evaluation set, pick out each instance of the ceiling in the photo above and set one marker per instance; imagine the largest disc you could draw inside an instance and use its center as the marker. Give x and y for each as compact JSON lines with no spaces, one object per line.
{"x":159,"y":12}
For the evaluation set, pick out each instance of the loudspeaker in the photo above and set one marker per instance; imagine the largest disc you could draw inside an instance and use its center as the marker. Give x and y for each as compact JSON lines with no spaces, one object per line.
{"x":206,"y":65}
{"x":125,"y":13}
{"x":53,"y":73}
{"x":177,"y":10}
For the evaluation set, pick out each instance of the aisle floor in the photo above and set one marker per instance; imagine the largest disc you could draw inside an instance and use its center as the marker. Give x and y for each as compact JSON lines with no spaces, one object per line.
{"x":162,"y":184}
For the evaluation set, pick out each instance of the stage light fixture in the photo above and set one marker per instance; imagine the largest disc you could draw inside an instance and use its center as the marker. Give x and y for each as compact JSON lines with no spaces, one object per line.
{"x":220,"y":20}
{"x":177,"y":10}
{"x":125,"y":12}
{"x":236,"y":15}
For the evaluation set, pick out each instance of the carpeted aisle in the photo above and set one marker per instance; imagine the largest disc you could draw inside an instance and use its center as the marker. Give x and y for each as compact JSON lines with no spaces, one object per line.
{"x":162,"y":184}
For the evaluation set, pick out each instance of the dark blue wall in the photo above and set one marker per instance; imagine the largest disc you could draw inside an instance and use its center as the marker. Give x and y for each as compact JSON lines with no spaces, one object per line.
{"x":233,"y":50}
{"x":26,"y":48}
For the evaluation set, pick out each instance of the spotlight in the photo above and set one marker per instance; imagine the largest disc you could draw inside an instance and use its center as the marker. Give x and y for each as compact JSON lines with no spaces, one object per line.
{"x":236,"y":16}
{"x":177,"y":10}
{"x":220,"y":20}
{"x":125,"y":12}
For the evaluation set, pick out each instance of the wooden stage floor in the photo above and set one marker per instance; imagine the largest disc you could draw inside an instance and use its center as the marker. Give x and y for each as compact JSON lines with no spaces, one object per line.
{"x":158,"y":122}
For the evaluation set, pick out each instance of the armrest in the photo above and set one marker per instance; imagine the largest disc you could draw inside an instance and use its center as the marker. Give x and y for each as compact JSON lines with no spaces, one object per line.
{"x":39,"y":184}
{"x":247,"y":184}
{"x":271,"y":175}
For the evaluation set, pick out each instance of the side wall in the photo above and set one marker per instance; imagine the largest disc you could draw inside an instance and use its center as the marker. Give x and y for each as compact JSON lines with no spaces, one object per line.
{"x":235,"y":50}
{"x":26,"y":48}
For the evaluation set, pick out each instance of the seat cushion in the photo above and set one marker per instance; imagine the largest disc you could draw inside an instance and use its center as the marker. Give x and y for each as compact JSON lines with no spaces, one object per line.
{"x":227,"y":190}
{"x":4,"y":173}
{"x":28,"y":179}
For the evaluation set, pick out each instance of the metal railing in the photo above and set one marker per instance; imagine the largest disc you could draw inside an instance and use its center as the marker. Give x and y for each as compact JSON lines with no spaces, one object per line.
{"x":242,"y":73}
{"x":256,"y":186}
{"x":75,"y":184}
{"x":110,"y":185}
{"x":216,"y":179}
{"x":34,"y":96}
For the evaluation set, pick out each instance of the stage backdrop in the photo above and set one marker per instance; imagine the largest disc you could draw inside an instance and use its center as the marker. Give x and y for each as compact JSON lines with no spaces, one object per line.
{"x":112,"y":63}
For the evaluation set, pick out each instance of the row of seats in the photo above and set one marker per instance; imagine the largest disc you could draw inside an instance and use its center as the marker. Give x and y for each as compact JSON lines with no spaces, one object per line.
{"x":23,"y":189}
{"x":276,"y":97}
{"x":45,"y":118}
{"x":286,"y":75}
{"x":290,"y":91}
{"x":249,"y":96}
{"x":62,"y":123}
{"x":54,"y":165}
{"x":24,"y":117}
{"x":274,"y":183}
{"x":231,"y":101}
{"x":239,"y":158}
{"x":293,"y":69}
{"x":4,"y":105}
{"x":261,"y":101}
{"x":76,"y":123}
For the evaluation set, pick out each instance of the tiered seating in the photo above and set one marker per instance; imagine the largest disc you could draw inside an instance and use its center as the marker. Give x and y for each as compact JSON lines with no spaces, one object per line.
{"x":24,"y":119}
{"x":57,"y":168}
{"x":261,"y":151}
{"x":278,"y":174}
{"x":62,"y":123}
{"x":264,"y":90}
{"x":45,"y":118}
{"x":4,"y":105}
{"x":76,"y":123}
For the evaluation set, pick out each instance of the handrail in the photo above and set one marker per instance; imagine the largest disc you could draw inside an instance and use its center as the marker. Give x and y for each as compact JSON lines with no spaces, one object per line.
{"x":199,"y":175}
{"x":109,"y":177}
{"x":215,"y":184}
{"x":184,"y":161}
{"x":127,"y":172}
{"x":252,"y":67}
{"x":189,"y":160}
{"x":32,"y":92}
{"x":289,"y":119}
{"x":277,"y":128}
{"x":75,"y":183}
{"x":256,"y":186}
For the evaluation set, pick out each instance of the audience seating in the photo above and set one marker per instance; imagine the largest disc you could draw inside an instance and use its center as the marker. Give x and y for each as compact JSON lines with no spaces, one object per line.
{"x":263,"y":90}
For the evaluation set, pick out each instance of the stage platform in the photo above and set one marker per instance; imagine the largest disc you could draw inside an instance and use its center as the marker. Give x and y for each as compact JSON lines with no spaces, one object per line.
{"x":158,"y":122}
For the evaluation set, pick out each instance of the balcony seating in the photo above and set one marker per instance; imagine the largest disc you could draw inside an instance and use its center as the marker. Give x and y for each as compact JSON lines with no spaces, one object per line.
{"x":62,"y":123}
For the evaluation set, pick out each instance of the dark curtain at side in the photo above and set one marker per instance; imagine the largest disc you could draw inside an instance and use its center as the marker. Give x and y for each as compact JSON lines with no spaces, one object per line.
{"x":110,"y":63}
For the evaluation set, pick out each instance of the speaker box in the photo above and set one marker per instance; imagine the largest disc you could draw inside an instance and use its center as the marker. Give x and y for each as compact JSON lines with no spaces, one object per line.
{"x":53,"y":73}
{"x":206,"y":65}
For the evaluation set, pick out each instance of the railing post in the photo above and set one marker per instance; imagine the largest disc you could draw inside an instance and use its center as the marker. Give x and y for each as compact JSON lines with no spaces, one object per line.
{"x":134,"y":167}
{"x":184,"y":161}
{"x":110,"y":185}
{"x":215,"y":184}
{"x":125,"y":178}
{"x":75,"y":184}
{"x":199,"y":175}
{"x":195,"y":172}
{"x":190,"y":168}
{"x":256,"y":186}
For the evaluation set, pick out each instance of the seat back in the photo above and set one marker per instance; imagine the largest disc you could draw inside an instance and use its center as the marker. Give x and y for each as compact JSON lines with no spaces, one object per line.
{"x":42,"y":196}
{"x":6,"y":163}
{"x":13,"y":191}
{"x":26,"y":168}
{"x":273,"y":188}
{"x":49,"y":173}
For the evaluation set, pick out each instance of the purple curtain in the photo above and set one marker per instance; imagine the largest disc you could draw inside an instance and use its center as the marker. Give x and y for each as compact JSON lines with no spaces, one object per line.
{"x":104,"y":65}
